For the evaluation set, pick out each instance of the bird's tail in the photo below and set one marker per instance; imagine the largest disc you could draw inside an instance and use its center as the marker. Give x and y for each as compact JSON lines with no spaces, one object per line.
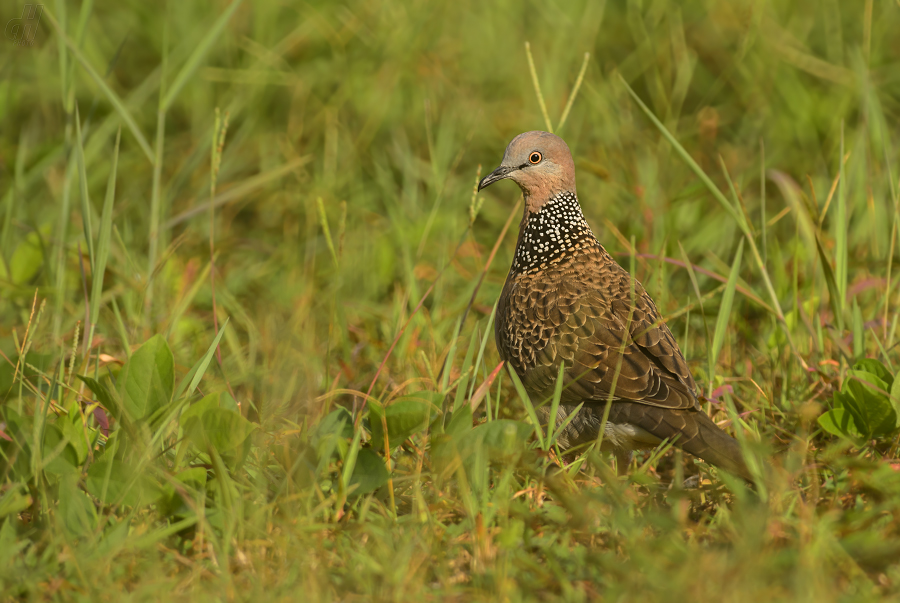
{"x":716,"y":447}
{"x":691,"y":430}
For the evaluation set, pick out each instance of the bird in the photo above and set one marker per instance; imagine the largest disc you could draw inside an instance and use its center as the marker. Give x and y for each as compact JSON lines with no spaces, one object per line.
{"x":567,"y":302}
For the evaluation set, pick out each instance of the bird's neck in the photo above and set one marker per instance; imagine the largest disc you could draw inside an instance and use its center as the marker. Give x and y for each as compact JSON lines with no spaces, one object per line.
{"x":555,"y":232}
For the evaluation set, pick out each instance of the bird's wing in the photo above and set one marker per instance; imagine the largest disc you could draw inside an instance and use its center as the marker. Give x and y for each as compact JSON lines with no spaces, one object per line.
{"x":597,"y":332}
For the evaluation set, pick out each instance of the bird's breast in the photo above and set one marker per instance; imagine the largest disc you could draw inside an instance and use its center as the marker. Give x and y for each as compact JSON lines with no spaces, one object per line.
{"x":538,"y":312}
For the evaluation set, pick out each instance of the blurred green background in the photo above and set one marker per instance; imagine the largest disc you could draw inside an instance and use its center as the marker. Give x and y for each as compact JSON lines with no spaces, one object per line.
{"x":356,"y":134}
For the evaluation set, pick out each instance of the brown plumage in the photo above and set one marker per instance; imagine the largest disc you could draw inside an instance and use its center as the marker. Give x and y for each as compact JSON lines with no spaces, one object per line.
{"x":567,"y":301}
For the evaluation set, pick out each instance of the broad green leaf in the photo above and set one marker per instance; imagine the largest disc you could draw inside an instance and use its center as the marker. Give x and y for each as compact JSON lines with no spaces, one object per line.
{"x":14,"y":500}
{"x":111,"y":481}
{"x":171,"y":503}
{"x":42,"y":362}
{"x":10,"y":544}
{"x":872,"y":411}
{"x":147,"y":379}
{"x":871,"y":365}
{"x":501,"y":439}
{"x":332,"y":434}
{"x":406,"y":416}
{"x":20,"y":428}
{"x":444,"y":440}
{"x":228,"y":403}
{"x":73,"y":430}
{"x":58,"y":455}
{"x":863,"y":383}
{"x":225,"y":429}
{"x":460,"y":422}
{"x":369,"y":473}
{"x":895,"y":398}
{"x":195,"y":477}
{"x":839,"y":422}
{"x":26,"y":260}
{"x":104,"y":396}
{"x":196,"y":410}
{"x":206,"y":423}
{"x":76,"y":510}
{"x":214,"y":426}
{"x":338,"y":422}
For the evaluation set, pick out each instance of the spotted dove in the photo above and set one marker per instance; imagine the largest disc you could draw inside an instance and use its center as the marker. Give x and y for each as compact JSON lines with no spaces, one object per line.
{"x":566,"y":301}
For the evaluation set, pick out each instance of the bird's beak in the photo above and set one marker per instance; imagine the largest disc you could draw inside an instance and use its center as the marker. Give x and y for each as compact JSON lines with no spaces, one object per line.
{"x":499,"y":174}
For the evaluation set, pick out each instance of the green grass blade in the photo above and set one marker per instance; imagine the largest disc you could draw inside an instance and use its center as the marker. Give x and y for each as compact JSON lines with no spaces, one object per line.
{"x":240,"y":190}
{"x":529,"y":407}
{"x":323,"y":222}
{"x":565,"y":423}
{"x":199,"y":281}
{"x":554,"y":406}
{"x":840,"y":275}
{"x":467,"y":371}
{"x":123,"y":331}
{"x":350,"y":461}
{"x":735,"y":214}
{"x":63,"y":55}
{"x":196,"y":373}
{"x":537,"y":87}
{"x":696,"y":285}
{"x":448,"y":362}
{"x":698,"y":171}
{"x":488,"y":331}
{"x":833,"y":293}
{"x":107,"y":91}
{"x":725,"y":309}
{"x":103,"y":240}
{"x":859,"y":333}
{"x":193,"y":61}
{"x":575,"y":89}
{"x":763,"y":227}
{"x":12,"y":196}
{"x":85,"y":199}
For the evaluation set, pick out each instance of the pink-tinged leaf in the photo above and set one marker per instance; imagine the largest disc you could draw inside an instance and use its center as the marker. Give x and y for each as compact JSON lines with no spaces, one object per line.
{"x":860,"y":286}
{"x":719,"y":392}
{"x":479,"y":394}
{"x":102,"y":420}
{"x":3,"y":433}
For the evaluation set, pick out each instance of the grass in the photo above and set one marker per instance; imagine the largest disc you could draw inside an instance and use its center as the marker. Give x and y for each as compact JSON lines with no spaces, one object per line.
{"x":259,"y":365}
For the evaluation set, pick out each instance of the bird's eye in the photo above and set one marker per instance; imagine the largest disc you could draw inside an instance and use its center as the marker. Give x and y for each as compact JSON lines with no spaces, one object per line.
{"x":535,"y":157}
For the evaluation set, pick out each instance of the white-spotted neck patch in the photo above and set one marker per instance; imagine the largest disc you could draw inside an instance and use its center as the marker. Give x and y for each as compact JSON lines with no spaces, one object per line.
{"x":557,"y":231}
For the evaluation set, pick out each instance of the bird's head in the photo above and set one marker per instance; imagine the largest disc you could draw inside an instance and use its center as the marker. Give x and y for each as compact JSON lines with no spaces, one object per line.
{"x":540,"y":163}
